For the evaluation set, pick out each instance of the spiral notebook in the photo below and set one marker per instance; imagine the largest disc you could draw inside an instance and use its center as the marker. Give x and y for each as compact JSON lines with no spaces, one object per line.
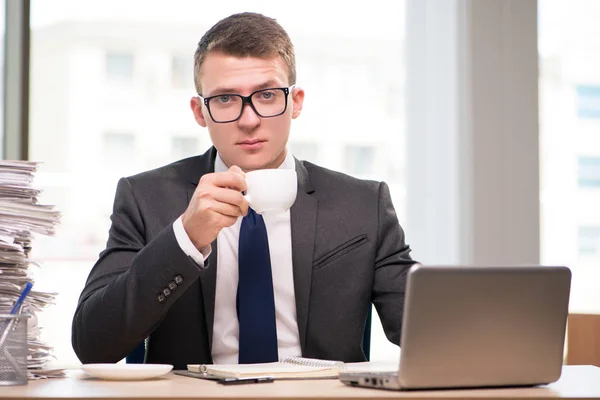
{"x":287,"y":368}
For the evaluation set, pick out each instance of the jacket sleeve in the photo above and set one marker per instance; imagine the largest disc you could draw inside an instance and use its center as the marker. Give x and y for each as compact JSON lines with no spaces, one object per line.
{"x":131,"y":287}
{"x":392,"y":262}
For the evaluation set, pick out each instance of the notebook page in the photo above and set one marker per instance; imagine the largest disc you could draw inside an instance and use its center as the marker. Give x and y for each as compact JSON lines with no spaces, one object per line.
{"x":314,"y":362}
{"x":276,"y":370}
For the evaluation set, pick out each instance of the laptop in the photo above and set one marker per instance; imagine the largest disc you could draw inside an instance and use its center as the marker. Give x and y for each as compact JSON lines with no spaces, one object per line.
{"x":468,"y":326}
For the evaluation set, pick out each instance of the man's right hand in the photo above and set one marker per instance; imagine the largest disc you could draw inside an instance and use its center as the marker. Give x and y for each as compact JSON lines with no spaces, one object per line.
{"x":217,"y":203}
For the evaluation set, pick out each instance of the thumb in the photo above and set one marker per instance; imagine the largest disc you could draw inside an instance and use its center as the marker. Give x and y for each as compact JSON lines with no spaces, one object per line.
{"x":237,"y":170}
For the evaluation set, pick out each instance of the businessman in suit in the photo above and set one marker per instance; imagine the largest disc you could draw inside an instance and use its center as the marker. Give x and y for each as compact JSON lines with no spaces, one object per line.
{"x":179,"y":269}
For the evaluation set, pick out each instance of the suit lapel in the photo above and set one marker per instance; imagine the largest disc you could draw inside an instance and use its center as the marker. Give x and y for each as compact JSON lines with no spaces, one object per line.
{"x":208,"y":279}
{"x":303,"y":219}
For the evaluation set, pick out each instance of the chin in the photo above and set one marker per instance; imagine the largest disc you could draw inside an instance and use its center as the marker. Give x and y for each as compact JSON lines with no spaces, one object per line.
{"x":253,"y":166}
{"x":250,"y":165}
{"x":255,"y":161}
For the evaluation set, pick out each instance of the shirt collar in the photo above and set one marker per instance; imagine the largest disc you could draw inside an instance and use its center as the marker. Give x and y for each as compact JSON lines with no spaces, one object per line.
{"x":288,"y":163}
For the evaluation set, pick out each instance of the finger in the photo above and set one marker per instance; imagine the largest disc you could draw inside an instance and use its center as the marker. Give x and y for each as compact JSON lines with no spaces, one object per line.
{"x":220,"y":220}
{"x":232,"y":197}
{"x":237,"y":170}
{"x":229,"y":196}
{"x":226,"y":209}
{"x":225,"y":180}
{"x":244,"y":206}
{"x":226,"y":221}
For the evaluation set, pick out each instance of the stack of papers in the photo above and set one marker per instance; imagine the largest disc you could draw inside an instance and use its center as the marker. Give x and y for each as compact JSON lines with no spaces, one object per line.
{"x":20,"y":218}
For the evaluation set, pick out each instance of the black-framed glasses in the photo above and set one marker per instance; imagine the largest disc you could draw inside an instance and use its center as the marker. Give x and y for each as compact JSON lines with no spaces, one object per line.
{"x":266,"y":103}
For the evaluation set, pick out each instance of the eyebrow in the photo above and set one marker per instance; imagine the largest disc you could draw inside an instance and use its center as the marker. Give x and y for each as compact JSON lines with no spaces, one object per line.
{"x":228,"y":90}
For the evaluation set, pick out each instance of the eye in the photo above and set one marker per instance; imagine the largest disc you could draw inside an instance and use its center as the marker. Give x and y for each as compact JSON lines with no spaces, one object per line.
{"x":268,"y":95}
{"x":223,"y":99}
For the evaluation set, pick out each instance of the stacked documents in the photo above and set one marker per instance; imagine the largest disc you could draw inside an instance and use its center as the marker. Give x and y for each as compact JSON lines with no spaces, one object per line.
{"x":20,"y":218}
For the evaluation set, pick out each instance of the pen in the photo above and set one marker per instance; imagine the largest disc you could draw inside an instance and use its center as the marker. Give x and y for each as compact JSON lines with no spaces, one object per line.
{"x":16,"y":308}
{"x":242,"y":381}
{"x":19,"y":301}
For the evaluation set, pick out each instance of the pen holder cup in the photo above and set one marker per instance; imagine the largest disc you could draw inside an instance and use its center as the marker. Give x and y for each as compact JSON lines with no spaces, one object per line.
{"x":13,"y":349}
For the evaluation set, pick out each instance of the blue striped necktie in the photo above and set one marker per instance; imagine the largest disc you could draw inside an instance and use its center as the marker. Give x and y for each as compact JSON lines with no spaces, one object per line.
{"x":255,"y":300}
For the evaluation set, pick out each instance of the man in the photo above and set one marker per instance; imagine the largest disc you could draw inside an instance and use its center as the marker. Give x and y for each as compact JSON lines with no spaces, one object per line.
{"x":171,"y":272}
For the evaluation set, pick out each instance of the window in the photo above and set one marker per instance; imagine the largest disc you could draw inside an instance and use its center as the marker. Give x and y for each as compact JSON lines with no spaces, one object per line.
{"x":359,"y":160}
{"x":589,"y":240}
{"x":183,"y":147}
{"x":93,"y":134}
{"x":182,"y":73}
{"x":119,"y":67}
{"x":118,"y":148}
{"x":588,"y":101}
{"x":588,"y":174}
{"x":569,"y":87}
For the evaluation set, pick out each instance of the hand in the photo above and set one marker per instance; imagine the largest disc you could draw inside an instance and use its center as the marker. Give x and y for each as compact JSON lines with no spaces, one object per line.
{"x":217,"y":203}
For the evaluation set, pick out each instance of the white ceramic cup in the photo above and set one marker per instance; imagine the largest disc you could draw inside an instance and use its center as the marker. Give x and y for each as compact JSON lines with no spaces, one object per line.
{"x":271,"y":190}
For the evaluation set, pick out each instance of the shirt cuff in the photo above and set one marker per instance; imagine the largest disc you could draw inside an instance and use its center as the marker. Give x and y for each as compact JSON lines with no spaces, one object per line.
{"x":184,"y":241}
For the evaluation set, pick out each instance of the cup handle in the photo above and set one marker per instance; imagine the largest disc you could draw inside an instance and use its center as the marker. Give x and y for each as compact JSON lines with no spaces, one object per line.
{"x":247,"y":197}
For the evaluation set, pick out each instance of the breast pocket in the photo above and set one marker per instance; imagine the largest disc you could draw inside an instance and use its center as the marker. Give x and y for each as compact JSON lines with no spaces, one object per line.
{"x":339,"y":251}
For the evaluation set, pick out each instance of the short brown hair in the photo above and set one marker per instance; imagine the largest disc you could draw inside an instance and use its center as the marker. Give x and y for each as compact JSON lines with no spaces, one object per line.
{"x":246,"y":35}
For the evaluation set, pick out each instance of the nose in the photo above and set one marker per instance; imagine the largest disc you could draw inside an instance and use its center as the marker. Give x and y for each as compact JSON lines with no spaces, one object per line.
{"x":249,"y":119}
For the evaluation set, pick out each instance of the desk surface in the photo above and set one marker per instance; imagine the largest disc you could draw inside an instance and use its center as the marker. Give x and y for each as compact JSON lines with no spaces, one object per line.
{"x":576,"y":382}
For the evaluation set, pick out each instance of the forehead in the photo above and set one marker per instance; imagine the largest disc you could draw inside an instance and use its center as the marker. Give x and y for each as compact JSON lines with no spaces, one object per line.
{"x":242,"y":74}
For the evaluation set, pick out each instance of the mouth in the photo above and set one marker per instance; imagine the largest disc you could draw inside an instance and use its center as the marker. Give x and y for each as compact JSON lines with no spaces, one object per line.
{"x":253,"y":144}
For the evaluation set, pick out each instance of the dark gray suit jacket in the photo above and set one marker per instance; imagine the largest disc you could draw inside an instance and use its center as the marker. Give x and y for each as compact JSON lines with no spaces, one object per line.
{"x":348,"y":250}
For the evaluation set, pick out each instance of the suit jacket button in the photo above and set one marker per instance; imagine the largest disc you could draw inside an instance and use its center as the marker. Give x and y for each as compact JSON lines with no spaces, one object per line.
{"x":161,"y":298}
{"x":172,"y":285}
{"x":166,"y":292}
{"x":178,"y":279}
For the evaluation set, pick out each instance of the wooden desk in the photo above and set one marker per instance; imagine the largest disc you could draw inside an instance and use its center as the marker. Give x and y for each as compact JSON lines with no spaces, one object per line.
{"x":577,"y":382}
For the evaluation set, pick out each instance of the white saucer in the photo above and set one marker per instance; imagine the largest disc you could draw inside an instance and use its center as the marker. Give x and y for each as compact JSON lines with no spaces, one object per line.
{"x":126,"y":372}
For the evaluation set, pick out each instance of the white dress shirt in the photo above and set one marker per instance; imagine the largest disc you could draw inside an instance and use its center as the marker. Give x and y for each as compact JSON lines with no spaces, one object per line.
{"x":225,"y":342}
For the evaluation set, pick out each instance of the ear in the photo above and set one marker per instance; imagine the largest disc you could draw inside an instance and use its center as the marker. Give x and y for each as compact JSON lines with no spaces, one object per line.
{"x":196,"y":106}
{"x":297,"y":101}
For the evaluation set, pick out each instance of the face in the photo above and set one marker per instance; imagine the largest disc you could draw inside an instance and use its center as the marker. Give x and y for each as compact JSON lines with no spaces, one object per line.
{"x":251,"y":142}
